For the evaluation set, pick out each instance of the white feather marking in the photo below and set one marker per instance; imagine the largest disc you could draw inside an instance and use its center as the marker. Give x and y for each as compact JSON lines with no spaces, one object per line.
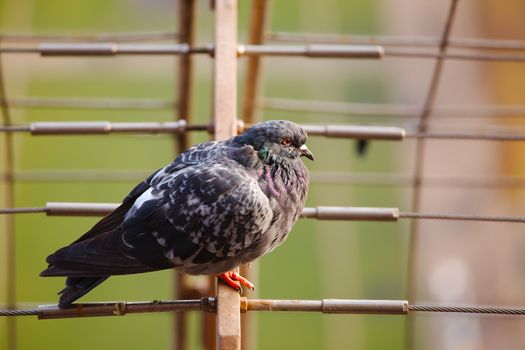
{"x":146,"y":196}
{"x":160,"y":240}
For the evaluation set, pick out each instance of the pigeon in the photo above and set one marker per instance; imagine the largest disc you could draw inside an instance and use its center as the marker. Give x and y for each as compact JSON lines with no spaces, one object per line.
{"x":218,"y":205}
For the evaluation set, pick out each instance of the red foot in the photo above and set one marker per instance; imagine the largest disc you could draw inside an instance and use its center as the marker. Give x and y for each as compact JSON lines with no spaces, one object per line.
{"x":236,"y":281}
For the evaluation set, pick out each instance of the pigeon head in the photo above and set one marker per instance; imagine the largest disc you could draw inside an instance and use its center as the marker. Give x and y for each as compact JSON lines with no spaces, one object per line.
{"x":277,"y":140}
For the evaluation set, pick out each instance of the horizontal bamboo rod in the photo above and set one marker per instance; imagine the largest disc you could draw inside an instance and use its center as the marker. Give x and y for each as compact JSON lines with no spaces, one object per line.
{"x":80,"y":128}
{"x":358,"y":132}
{"x":209,"y":304}
{"x":336,"y":131}
{"x":79,"y":209}
{"x":351,"y":213}
{"x":319,"y":213}
{"x":122,"y":308}
{"x":328,"y":306}
{"x":104,"y":127}
{"x":111,"y":49}
{"x":114,"y":49}
{"x":313,"y":51}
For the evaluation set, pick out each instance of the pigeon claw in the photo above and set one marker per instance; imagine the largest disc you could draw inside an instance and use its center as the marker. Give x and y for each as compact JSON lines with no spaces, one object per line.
{"x":236,"y":281}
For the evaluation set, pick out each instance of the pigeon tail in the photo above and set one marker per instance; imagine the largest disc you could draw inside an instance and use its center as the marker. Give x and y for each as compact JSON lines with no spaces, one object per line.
{"x":76,"y":287}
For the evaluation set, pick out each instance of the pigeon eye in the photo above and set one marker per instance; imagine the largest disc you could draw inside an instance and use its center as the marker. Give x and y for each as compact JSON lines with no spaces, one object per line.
{"x":286,"y":142}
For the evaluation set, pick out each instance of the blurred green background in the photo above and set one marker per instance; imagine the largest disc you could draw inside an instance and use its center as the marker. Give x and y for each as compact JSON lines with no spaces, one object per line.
{"x":319,"y":260}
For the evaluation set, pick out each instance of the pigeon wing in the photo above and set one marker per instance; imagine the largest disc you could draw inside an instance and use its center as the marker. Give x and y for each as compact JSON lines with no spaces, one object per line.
{"x":96,"y":251}
{"x":200,"y":215}
{"x":116,"y":217}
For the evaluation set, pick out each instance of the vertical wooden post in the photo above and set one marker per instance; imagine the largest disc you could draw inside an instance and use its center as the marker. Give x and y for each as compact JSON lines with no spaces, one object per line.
{"x":225,"y":69}
{"x":186,"y":12}
{"x":186,"y":26}
{"x":228,"y":321}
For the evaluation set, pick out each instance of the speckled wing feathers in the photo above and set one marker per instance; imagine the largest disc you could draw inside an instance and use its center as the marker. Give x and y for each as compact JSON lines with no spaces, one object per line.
{"x":200,"y":213}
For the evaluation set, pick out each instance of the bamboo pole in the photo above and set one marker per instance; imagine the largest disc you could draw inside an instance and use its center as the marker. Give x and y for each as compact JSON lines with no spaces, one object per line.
{"x":228,"y":321}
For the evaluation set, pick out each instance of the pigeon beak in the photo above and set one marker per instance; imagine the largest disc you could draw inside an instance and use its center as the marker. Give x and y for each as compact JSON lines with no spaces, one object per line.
{"x":306,"y":152}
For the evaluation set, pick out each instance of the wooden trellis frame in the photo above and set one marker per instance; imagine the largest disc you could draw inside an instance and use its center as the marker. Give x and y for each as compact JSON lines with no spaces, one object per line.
{"x":228,"y":304}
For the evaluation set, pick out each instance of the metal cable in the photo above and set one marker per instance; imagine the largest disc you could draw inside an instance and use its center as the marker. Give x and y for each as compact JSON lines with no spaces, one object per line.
{"x":367,"y":179}
{"x":389,"y":109}
{"x":18,"y":312}
{"x":469,"y":309}
{"x":306,"y":106}
{"x":412,"y":215}
{"x":405,"y":41}
{"x":464,"y":136}
{"x":14,"y":128}
{"x":22,"y":210}
{"x":451,"y":56}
